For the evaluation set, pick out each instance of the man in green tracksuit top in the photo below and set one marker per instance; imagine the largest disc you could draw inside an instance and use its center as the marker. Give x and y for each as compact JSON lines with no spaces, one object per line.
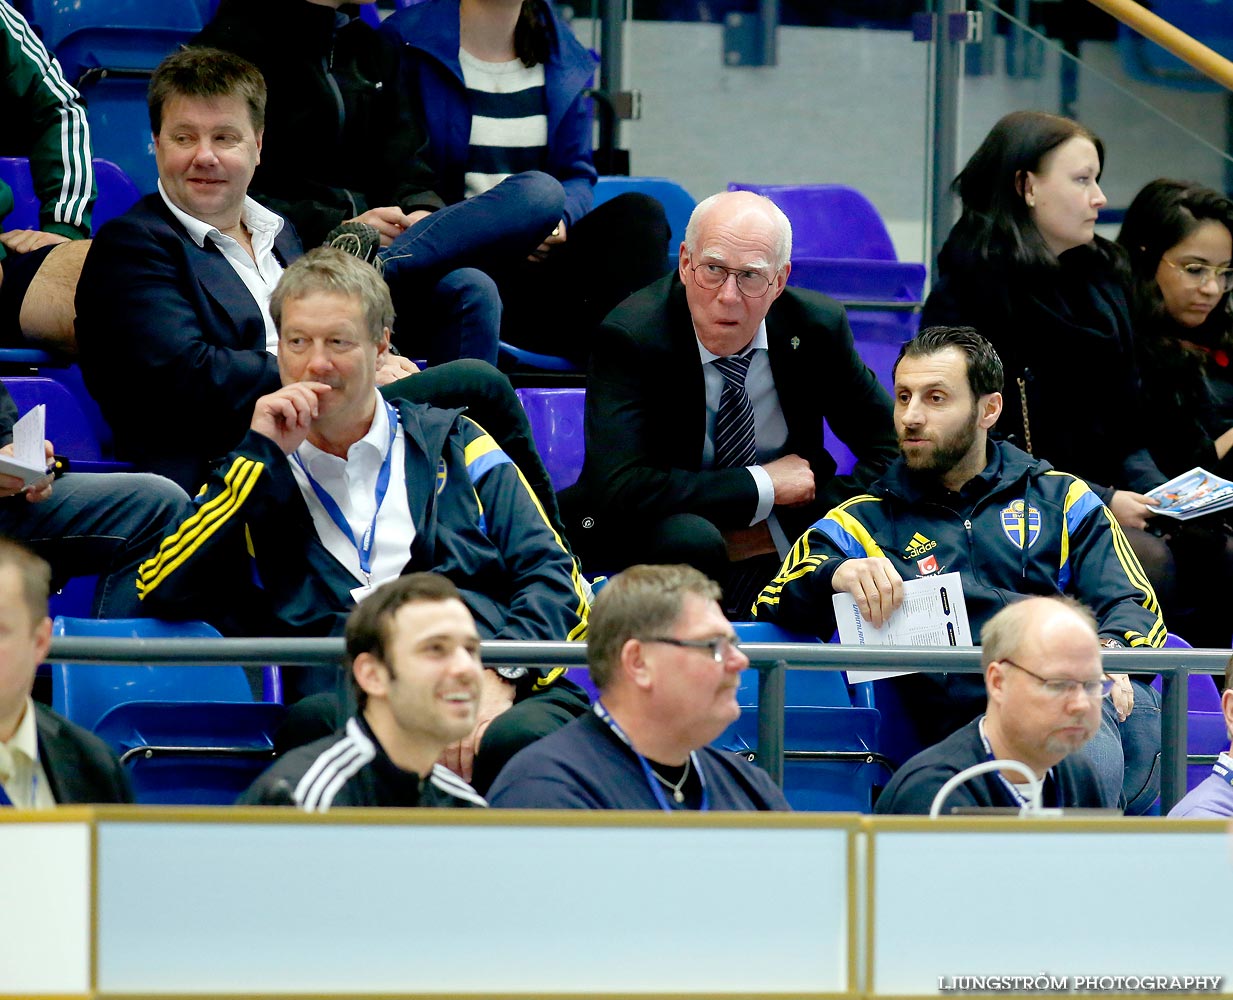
{"x":43,"y":118}
{"x":1010,"y":525}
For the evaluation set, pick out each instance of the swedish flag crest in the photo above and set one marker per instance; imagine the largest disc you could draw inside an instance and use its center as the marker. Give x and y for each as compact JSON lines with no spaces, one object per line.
{"x":440,"y":475}
{"x":1014,"y":523}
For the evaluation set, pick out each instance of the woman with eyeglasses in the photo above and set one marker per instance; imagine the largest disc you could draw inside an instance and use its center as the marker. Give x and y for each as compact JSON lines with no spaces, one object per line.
{"x":1024,"y":266}
{"x":1179,"y":239}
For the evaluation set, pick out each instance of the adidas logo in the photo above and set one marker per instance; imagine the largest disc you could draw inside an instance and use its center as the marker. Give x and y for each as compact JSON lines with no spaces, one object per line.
{"x":918,"y":546}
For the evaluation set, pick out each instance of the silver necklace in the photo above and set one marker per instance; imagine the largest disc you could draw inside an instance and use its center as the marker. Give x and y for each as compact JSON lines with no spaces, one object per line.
{"x":677,"y":795}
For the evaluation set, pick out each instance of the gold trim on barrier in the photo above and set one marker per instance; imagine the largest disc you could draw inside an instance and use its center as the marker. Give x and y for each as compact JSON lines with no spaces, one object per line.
{"x":1160,"y":31}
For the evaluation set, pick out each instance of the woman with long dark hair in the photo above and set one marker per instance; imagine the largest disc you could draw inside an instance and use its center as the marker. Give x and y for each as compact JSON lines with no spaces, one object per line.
{"x":503,"y":85}
{"x":1024,"y":266}
{"x":1178,"y":237}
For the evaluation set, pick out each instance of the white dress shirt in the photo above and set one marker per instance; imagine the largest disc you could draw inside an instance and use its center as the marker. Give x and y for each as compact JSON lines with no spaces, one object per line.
{"x":260,"y":275}
{"x":352,"y":483}
{"x":26,"y":786}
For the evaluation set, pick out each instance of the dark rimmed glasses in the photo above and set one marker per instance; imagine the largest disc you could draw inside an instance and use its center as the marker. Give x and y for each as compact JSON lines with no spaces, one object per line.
{"x":1063,"y":687}
{"x":719,"y":647}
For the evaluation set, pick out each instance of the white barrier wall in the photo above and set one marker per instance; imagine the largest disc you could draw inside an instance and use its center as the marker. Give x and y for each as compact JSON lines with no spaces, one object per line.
{"x":141,"y":903}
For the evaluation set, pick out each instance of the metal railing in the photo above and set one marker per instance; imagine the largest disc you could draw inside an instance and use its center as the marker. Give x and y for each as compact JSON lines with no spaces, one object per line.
{"x":769,"y":659}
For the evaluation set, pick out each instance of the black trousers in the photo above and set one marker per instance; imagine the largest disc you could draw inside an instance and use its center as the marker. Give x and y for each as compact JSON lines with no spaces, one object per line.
{"x":553,"y":306}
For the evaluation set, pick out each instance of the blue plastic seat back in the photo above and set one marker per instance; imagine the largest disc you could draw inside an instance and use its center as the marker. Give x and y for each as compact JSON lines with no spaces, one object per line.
{"x":68,"y":429}
{"x":122,"y":34}
{"x":829,"y":220}
{"x":204,"y":753}
{"x":116,"y":193}
{"x":802,"y":688}
{"x":678,"y":203}
{"x":556,"y":419}
{"x":15,"y":172}
{"x":818,"y":715}
{"x":1206,"y":21}
{"x":85,"y":693}
{"x":120,"y":126}
{"x":1206,"y":731}
{"x":514,"y":358}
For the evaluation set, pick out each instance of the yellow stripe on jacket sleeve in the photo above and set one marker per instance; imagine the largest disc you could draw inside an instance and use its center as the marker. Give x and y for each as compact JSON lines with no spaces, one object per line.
{"x":1127,"y":560}
{"x":203,"y":525}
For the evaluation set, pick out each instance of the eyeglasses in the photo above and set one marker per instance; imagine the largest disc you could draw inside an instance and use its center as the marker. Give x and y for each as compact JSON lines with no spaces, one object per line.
{"x":1059,"y":687}
{"x":751,"y":284}
{"x":719,"y":647}
{"x":1200,"y":274}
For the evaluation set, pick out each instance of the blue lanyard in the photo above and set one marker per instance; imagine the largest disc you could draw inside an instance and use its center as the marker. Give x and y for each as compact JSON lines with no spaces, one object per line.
{"x":364,"y":545}
{"x":652,"y":782}
{"x":1014,"y":792}
{"x":1223,"y":768}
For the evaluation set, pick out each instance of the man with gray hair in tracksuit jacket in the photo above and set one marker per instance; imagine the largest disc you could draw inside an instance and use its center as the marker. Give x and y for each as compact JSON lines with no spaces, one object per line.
{"x":335,"y":491}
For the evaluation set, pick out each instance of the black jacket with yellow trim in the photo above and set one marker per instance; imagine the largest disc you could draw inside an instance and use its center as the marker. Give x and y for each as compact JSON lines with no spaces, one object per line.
{"x":477,"y":522}
{"x":1074,"y":547}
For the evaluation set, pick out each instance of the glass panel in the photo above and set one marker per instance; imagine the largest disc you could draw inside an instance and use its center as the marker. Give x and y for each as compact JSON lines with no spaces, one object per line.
{"x":1156,"y":116}
{"x":844,"y":105}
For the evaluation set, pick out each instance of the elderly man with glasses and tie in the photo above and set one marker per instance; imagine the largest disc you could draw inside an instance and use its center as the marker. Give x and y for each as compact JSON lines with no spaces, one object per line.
{"x":667,"y":665}
{"x":705,"y":408}
{"x":1044,"y":688}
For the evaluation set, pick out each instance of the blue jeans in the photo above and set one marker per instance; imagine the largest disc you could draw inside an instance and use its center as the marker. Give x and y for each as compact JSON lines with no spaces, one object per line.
{"x":103,"y":524}
{"x":443,"y":263}
{"x":1126,"y":755}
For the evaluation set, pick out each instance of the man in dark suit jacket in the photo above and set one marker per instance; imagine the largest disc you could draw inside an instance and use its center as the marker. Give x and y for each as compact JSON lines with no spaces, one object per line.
{"x":44,"y":760}
{"x":653,"y":488}
{"x":174,"y":330}
{"x":171,"y":336}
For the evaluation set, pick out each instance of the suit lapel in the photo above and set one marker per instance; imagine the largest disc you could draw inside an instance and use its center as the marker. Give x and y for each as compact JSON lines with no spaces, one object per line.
{"x":63,"y":788}
{"x":685,"y":380}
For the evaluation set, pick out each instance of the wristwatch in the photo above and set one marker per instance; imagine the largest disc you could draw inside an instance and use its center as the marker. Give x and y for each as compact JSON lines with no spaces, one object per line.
{"x":511,"y":673}
{"x":1112,"y":644}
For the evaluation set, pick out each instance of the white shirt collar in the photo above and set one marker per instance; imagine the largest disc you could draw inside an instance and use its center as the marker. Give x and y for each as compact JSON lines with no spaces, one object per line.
{"x":759,"y":342}
{"x":26,"y":739}
{"x":256,"y":217}
{"x":377,"y":439}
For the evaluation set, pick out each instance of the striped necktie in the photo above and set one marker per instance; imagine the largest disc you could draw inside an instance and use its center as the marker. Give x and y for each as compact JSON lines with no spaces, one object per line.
{"x":734,"y":420}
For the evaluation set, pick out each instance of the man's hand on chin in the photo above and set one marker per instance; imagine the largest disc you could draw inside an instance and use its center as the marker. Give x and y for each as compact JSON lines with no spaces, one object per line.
{"x":285,"y":416}
{"x":496,"y":695}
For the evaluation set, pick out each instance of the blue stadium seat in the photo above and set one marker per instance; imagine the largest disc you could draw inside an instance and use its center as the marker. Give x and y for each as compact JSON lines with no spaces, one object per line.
{"x":841,"y":247}
{"x":1206,"y":732}
{"x":108,"y":49}
{"x":116,"y":193}
{"x":556,"y":418}
{"x":186,"y":735}
{"x":15,"y":172}
{"x":511,"y":358}
{"x":1203,"y":20}
{"x":830,"y":745}
{"x":678,"y":203}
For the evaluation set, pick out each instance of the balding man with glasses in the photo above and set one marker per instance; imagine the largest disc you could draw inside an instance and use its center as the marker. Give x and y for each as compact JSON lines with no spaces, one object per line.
{"x":1045,"y":688}
{"x":705,"y":404}
{"x":667,"y":665}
